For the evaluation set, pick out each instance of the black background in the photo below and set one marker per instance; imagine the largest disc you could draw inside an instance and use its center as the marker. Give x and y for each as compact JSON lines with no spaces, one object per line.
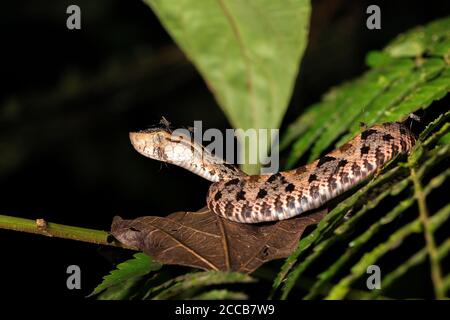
{"x":69,"y":98}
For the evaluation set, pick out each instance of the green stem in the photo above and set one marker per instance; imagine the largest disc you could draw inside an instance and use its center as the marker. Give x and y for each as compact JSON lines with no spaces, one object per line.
{"x":248,"y":167}
{"x":59,"y":231}
{"x":258,"y":150}
{"x":436,"y":272}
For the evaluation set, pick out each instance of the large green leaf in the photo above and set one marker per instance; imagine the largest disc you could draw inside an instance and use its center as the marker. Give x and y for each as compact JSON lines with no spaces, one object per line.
{"x":248,"y":52}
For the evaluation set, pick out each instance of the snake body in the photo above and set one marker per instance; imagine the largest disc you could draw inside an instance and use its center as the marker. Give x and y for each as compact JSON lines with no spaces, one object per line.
{"x":252,"y":199}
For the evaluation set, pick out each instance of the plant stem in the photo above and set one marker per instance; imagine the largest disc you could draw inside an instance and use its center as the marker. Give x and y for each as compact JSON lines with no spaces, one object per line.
{"x":258,"y":151}
{"x":49,"y":229}
{"x":436,"y":272}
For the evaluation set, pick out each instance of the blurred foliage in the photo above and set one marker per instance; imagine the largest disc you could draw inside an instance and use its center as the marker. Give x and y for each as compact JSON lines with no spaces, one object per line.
{"x":393,"y":88}
{"x":387,"y":202}
{"x":195,"y":285}
{"x":397,"y":85}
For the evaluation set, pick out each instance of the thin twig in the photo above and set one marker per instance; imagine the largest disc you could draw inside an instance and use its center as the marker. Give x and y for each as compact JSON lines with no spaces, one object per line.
{"x":49,"y":229}
{"x":436,"y":272}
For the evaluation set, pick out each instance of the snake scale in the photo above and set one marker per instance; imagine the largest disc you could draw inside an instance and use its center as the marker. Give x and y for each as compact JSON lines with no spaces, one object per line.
{"x":258,"y":198}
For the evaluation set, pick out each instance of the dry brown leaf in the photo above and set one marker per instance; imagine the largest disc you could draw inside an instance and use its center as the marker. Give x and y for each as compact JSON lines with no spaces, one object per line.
{"x":206,"y":241}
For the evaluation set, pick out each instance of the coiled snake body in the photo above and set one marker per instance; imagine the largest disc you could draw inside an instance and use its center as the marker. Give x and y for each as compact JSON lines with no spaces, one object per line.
{"x":252,"y":199}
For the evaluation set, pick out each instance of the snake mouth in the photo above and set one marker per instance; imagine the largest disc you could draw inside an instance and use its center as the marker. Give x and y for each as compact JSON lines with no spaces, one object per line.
{"x":151,"y":143}
{"x":137,"y":141}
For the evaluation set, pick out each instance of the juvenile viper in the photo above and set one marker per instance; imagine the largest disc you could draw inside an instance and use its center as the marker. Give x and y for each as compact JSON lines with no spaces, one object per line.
{"x":251,"y":199}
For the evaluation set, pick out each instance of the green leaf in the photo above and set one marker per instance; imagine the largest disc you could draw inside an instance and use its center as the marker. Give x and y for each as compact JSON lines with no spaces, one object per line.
{"x":422,"y":40}
{"x":341,"y":289}
{"x":445,"y":139}
{"x":248,"y":52}
{"x":416,"y":259}
{"x":399,"y":83}
{"x":221,"y":294}
{"x":184,"y":283}
{"x":125,"y":290}
{"x":422,"y":97}
{"x":388,"y":107}
{"x":330,"y":222}
{"x":126,"y":275}
{"x":334,"y":231}
{"x":432,"y":74}
{"x":361,"y":96}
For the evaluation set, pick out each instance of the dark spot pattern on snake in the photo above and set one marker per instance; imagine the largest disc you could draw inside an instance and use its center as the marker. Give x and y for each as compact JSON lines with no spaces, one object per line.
{"x":312,"y":178}
{"x":273,"y":177}
{"x":232,"y":182}
{"x":290,"y":187}
{"x":258,"y":198}
{"x":261,"y":194}
{"x":218,"y":195}
{"x":366,"y":134}
{"x":365,"y":149}
{"x":240,"y":195}
{"x":342,"y":163}
{"x":324,"y":160}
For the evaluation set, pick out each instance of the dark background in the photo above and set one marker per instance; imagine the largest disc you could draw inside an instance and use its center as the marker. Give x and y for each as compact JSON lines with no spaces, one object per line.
{"x":70,"y":97}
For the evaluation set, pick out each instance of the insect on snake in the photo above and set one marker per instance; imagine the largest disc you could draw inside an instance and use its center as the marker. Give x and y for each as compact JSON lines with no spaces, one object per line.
{"x":251,"y":199}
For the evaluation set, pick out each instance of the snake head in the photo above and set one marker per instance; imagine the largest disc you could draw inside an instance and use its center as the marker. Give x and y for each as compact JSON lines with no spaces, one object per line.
{"x":168,"y":146}
{"x":150,"y":142}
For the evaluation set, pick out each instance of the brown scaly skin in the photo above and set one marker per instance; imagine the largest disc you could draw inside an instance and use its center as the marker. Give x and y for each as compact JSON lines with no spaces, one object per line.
{"x":253,"y":199}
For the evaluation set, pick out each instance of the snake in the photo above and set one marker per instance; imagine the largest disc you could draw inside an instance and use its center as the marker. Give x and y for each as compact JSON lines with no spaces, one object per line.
{"x":244,"y":198}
